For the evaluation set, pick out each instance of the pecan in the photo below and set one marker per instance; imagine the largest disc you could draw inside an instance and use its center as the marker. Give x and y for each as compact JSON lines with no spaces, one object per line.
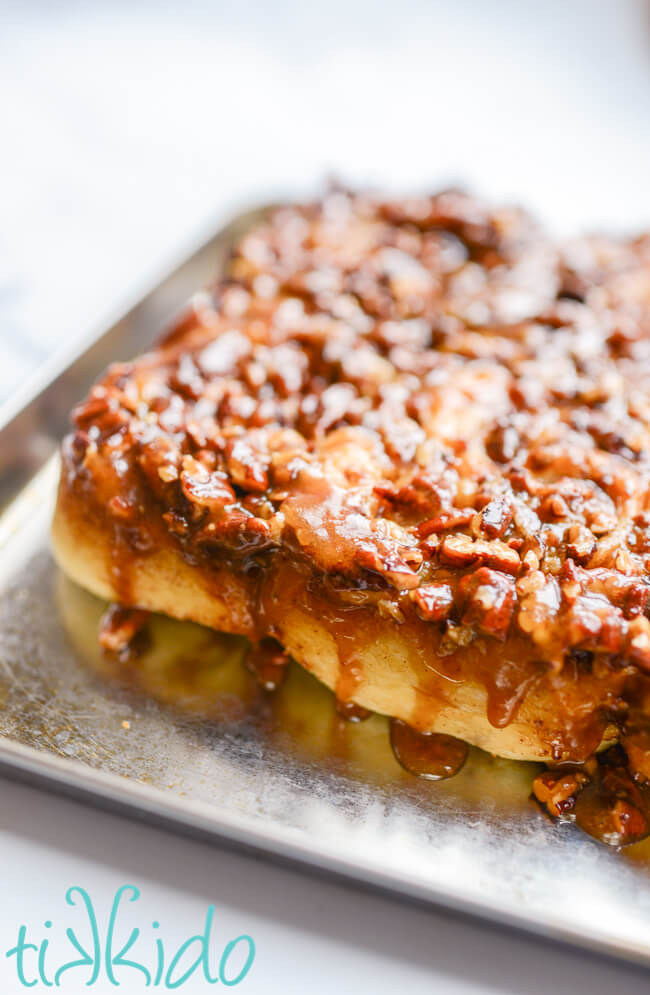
{"x":638,"y":646}
{"x":236,"y":530}
{"x":593,"y":621}
{"x":557,"y":790}
{"x":495,"y":518}
{"x":246,"y":465}
{"x":158,"y":453}
{"x":539,"y":604}
{"x":185,"y":379}
{"x":462,"y":551}
{"x":424,"y":493}
{"x":459,"y":551}
{"x":500,"y":556}
{"x":224,"y":353}
{"x":636,"y":599}
{"x":433,"y":602}
{"x":488,"y":598}
{"x":580,"y":543}
{"x":207,"y":491}
{"x":122,"y":509}
{"x":502,"y":443}
{"x":446,"y":521}
{"x":101,"y":413}
{"x":96,"y":406}
{"x":629,"y":822}
{"x":391,"y":564}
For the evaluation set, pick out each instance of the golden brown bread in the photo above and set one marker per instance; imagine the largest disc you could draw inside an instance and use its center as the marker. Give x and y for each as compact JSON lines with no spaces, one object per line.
{"x":390,"y":675}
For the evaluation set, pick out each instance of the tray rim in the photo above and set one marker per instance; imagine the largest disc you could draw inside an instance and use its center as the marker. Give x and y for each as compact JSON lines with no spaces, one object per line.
{"x":111,"y":792}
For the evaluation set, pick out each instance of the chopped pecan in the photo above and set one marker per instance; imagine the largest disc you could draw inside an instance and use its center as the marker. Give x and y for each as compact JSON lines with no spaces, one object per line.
{"x":123,"y":509}
{"x":488,"y":597}
{"x":502,"y":443}
{"x":203,"y":489}
{"x":246,"y":465}
{"x":629,"y":822}
{"x":580,"y":543}
{"x":446,"y":521}
{"x":557,"y":789}
{"x":495,"y":518}
{"x":499,"y":555}
{"x":425,"y":493}
{"x":539,"y":605}
{"x":459,"y":551}
{"x":393,"y":565}
{"x":433,"y":602}
{"x":462,"y":551}
{"x":638,"y":645}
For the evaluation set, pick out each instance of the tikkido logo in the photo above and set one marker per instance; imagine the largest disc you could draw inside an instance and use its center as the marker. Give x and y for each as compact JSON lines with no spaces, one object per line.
{"x":102,"y":957}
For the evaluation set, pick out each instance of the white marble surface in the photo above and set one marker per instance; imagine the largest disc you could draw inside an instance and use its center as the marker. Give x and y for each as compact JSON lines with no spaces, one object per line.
{"x":128,"y":130}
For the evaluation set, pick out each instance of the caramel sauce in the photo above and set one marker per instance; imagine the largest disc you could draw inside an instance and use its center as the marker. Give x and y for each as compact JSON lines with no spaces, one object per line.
{"x":506,"y":683}
{"x":352,"y":712}
{"x":202,"y":673}
{"x":350,"y":675}
{"x":636,"y":743}
{"x":614,"y":817}
{"x":430,"y":755}
{"x":123,"y":632}
{"x":268,"y":662}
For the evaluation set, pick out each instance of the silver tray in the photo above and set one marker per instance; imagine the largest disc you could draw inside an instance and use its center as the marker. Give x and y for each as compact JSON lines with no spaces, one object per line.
{"x":280,"y":772}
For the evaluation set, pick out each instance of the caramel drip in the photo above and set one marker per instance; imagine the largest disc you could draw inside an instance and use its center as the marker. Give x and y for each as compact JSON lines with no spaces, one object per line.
{"x":506,"y":685}
{"x":352,"y":712}
{"x":350,"y":675}
{"x":428,"y":703}
{"x":123,"y":631}
{"x":268,"y":662}
{"x":120,"y":568}
{"x":617,"y":818}
{"x":430,"y":755}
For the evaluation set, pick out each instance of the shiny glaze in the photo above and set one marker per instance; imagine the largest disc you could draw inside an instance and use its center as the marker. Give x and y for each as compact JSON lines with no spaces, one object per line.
{"x":268,"y":662}
{"x":430,"y":755}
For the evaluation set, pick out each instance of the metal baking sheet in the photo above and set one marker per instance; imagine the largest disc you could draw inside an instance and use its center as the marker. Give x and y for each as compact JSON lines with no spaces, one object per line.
{"x":187,"y":738}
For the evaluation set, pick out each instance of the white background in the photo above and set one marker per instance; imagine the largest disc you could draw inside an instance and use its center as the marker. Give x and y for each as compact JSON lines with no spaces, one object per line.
{"x":130,"y":129}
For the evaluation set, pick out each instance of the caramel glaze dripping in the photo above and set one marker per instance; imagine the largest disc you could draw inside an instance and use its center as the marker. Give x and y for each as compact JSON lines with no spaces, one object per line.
{"x":608,"y":800}
{"x":123,"y":631}
{"x":430,"y":755}
{"x":268,"y":662}
{"x":608,"y":797}
{"x":350,"y":638}
{"x":257,"y":582}
{"x":352,"y":712}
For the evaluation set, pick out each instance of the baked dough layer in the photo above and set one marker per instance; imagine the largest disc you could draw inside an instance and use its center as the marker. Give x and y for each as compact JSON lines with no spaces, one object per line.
{"x":390,"y":671}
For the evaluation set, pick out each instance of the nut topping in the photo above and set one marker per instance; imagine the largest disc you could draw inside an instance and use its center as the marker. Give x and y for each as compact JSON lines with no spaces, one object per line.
{"x":401,"y":395}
